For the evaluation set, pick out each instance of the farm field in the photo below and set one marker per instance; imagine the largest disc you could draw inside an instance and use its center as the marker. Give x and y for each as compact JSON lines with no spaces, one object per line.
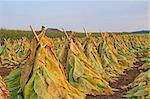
{"x":74,"y":65}
{"x":18,"y":34}
{"x":76,"y":49}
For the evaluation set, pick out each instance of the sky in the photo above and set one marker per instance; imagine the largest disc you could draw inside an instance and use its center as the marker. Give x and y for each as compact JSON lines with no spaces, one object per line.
{"x":93,"y":15}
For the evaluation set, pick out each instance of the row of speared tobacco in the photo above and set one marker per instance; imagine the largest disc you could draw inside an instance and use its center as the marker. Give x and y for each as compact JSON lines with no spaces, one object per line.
{"x":69,"y":68}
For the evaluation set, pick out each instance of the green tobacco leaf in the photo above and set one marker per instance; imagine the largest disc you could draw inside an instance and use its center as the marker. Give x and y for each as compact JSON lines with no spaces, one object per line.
{"x":140,"y":92}
{"x":40,"y":87}
{"x":29,"y":92}
{"x":13,"y":83}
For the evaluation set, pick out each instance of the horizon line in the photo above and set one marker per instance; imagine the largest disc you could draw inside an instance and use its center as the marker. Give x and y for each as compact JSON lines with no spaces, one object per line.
{"x":73,"y":30}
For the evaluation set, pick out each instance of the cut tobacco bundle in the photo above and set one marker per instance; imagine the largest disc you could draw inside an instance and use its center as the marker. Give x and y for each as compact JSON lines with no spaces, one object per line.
{"x":109,"y":58}
{"x":80,"y":71}
{"x":48,"y":80}
{"x":91,"y":51}
{"x":12,"y":53}
{"x":125,"y":57}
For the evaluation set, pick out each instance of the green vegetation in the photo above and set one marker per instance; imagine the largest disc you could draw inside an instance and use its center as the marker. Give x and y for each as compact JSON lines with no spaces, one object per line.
{"x":18,"y":34}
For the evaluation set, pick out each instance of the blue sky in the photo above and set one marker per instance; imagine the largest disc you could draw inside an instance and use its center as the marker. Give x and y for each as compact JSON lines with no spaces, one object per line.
{"x":94,"y":15}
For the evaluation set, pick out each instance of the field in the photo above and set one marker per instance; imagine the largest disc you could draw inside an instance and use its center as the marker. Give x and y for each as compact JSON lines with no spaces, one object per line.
{"x":18,"y":34}
{"x":74,"y":65}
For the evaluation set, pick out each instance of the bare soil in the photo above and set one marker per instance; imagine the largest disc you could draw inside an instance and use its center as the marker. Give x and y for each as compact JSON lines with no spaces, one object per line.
{"x":4,"y":71}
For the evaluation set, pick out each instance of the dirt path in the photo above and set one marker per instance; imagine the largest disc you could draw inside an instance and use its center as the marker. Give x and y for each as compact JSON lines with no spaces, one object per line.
{"x":121,"y":83}
{"x":4,"y":71}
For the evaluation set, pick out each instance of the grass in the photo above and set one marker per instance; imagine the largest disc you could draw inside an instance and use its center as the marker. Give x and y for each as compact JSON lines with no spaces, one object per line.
{"x":14,"y":34}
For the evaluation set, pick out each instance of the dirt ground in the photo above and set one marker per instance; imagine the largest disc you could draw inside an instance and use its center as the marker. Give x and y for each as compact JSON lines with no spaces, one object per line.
{"x":4,"y":71}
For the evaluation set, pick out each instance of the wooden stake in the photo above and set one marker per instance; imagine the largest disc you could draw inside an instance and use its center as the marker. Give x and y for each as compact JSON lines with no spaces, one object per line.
{"x":85,"y":32}
{"x":65,"y":33}
{"x":32,"y":29}
{"x":141,"y":97}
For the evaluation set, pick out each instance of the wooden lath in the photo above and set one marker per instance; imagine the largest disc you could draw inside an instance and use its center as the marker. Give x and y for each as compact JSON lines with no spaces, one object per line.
{"x":36,"y":36}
